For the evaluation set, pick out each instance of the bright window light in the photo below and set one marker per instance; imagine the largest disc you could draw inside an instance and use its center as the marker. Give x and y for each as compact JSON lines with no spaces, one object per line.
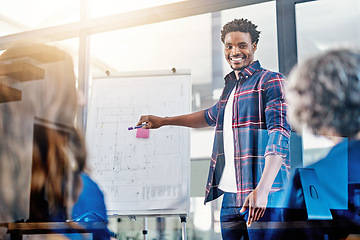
{"x":100,"y":8}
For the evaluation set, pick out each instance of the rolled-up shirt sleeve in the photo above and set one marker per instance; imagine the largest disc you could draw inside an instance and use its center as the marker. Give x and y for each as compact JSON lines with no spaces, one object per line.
{"x":211,"y":114}
{"x":275,"y":113}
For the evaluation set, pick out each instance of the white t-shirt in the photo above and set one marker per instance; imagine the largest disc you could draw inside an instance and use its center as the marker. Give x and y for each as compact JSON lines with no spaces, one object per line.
{"x":228,"y":179}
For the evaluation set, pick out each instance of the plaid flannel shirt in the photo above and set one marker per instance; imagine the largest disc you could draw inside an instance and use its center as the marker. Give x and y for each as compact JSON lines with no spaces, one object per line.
{"x":259,"y":126}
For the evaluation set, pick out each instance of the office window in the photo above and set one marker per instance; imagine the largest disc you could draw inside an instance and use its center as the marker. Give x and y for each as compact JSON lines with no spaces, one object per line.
{"x":179,"y":44}
{"x":100,"y":8}
{"x":321,"y":25}
{"x":22,"y":15}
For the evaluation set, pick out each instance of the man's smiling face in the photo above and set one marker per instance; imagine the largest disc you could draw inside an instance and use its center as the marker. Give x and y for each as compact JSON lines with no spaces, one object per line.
{"x":239,"y":51}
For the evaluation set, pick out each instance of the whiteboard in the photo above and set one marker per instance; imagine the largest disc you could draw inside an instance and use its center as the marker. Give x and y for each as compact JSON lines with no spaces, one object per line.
{"x":140,"y":176}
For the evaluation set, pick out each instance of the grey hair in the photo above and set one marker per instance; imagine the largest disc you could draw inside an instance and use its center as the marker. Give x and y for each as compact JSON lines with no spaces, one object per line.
{"x":324,"y":93}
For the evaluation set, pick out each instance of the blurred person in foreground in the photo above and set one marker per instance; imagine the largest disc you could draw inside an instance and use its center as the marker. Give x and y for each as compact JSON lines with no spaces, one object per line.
{"x":324,"y":96}
{"x":43,"y":121}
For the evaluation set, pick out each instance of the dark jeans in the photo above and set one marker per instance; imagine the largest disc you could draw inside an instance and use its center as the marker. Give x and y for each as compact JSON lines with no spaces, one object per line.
{"x":233,"y":223}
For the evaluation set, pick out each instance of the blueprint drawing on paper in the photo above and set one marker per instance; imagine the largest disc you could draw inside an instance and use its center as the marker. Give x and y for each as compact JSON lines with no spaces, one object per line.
{"x":139,"y":175}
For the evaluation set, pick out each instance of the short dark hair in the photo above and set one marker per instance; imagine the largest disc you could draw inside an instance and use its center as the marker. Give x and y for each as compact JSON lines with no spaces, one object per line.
{"x":324,"y":93}
{"x":241,"y":25}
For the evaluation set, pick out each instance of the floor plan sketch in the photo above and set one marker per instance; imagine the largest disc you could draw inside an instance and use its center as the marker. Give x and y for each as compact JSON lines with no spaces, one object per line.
{"x":139,"y":175}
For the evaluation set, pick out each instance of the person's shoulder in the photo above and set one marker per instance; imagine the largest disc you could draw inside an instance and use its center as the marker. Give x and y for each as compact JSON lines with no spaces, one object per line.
{"x":269,"y":78}
{"x":335,"y":153}
{"x":86,"y":178}
{"x":89,"y":184}
{"x":267,"y":74}
{"x":270,"y":74}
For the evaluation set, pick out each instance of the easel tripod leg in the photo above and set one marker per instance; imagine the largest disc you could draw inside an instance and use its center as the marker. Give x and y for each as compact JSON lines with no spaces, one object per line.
{"x":183,"y":223}
{"x":145,"y":229}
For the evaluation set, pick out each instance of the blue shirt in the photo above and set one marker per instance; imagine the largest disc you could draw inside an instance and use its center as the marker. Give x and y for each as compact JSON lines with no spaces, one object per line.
{"x":90,"y":207}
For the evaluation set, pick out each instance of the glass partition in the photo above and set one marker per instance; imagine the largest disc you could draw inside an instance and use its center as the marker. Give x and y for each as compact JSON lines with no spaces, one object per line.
{"x":321,"y":25}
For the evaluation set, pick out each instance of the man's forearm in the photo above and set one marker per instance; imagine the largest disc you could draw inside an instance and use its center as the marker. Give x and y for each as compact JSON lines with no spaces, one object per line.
{"x":193,"y":120}
{"x":272,"y":166}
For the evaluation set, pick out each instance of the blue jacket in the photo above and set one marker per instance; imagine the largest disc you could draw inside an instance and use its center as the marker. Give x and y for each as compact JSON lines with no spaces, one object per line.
{"x":90,"y":207}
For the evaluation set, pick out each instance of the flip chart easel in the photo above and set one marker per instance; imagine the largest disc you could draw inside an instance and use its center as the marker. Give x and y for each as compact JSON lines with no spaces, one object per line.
{"x":140,"y":176}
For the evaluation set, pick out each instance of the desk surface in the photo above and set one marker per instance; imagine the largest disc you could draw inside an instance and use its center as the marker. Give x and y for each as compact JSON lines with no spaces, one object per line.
{"x":34,"y":227}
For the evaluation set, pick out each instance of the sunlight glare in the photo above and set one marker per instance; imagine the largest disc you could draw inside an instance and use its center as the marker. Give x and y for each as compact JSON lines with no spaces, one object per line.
{"x":100,"y":8}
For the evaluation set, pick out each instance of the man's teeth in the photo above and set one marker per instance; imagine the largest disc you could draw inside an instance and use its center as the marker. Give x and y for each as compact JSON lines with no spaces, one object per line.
{"x":237,"y":59}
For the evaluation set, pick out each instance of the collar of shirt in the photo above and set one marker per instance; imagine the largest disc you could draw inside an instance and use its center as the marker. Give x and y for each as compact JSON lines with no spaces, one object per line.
{"x":245,"y":72}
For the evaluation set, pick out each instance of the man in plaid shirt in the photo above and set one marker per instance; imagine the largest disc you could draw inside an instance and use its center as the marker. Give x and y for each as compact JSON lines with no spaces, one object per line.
{"x":250,"y":159}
